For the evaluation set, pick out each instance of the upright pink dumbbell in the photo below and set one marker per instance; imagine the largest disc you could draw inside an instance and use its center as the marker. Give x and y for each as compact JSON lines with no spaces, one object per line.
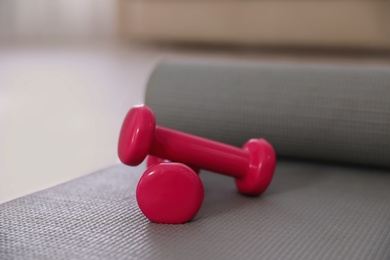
{"x":252,"y":166}
{"x":170,"y":193}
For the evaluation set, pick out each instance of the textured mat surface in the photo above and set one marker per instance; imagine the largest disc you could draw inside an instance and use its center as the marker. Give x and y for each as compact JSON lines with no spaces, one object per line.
{"x":311,"y":211}
{"x":333,"y":113}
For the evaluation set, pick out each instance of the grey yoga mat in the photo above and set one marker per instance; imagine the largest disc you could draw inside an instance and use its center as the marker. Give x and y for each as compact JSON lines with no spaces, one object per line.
{"x":322,"y":112}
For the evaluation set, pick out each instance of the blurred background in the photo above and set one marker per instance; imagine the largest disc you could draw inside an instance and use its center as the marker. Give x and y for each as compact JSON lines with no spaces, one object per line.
{"x":70,"y":70}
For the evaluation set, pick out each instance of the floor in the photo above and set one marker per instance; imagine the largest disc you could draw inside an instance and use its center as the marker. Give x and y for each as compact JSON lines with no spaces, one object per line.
{"x":61,"y":111}
{"x":64,"y":89}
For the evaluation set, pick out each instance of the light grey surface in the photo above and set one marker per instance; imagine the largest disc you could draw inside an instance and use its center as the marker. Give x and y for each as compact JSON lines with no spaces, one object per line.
{"x":333,"y":113}
{"x":311,"y":211}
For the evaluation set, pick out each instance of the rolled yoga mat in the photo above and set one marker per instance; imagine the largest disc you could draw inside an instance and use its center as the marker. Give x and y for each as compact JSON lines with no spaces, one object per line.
{"x":333,"y":113}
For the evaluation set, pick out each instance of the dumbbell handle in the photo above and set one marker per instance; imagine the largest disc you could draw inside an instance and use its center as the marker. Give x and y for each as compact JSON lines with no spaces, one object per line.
{"x":199,"y":152}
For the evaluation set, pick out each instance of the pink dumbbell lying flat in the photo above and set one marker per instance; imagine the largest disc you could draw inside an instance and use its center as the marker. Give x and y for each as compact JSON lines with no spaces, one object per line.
{"x":153,"y":160}
{"x":252,"y":166}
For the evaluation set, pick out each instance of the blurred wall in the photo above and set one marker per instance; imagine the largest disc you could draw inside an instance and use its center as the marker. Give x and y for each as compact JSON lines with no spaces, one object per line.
{"x":35,"y":21}
{"x":286,"y":23}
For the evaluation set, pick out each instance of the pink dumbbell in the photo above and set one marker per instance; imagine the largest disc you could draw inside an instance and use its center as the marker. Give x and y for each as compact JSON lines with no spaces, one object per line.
{"x":252,"y":166}
{"x":153,"y":160}
{"x":170,"y":193}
